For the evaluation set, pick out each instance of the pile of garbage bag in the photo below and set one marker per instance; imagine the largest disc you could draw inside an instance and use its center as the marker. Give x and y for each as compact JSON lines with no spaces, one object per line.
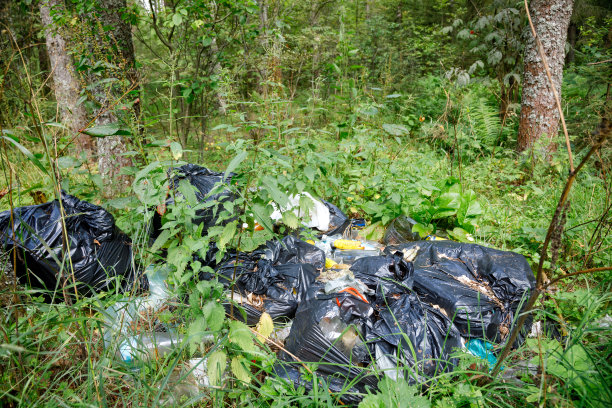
{"x":89,"y":248}
{"x":359,"y":309}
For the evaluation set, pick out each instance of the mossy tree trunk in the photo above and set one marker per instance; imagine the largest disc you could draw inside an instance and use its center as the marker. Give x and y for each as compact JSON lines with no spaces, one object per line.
{"x":65,"y":81}
{"x":539,"y":114}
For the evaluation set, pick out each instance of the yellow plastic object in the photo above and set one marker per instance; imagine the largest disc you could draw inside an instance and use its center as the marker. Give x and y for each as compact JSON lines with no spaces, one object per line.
{"x":330,"y":263}
{"x":310,"y":241}
{"x":347,"y":244}
{"x":435,"y":238}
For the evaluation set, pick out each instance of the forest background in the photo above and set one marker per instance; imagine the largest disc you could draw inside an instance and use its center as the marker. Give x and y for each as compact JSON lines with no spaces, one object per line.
{"x":438,"y":110}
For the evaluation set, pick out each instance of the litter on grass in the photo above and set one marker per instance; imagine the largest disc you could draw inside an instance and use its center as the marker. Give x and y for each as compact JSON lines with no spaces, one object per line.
{"x":358,"y":309}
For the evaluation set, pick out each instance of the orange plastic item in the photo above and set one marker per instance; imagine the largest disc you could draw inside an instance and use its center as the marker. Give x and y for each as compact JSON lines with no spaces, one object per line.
{"x":353,"y":292}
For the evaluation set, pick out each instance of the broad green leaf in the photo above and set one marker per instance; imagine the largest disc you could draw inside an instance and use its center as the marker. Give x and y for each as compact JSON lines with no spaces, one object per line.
{"x":177,"y":19}
{"x":290,"y":219}
{"x":195,"y":333}
{"x":112,"y":129}
{"x":395,"y":130}
{"x":161,"y":240}
{"x":27,"y":153}
{"x":214,"y":314}
{"x":461,"y":235}
{"x":310,"y":173}
{"x":239,"y":369}
{"x":422,"y":229}
{"x":216,"y":364}
{"x":240,"y":335}
{"x":188,"y":191}
{"x":263,"y":217}
{"x":229,"y":231}
{"x":276,"y":194}
{"x":264,"y":327}
{"x":66,"y":162}
{"x":177,"y":150}
{"x":236,"y":161}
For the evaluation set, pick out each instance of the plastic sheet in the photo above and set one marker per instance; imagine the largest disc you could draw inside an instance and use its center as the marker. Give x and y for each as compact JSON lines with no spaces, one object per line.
{"x":100,"y":254}
{"x":479,"y":288}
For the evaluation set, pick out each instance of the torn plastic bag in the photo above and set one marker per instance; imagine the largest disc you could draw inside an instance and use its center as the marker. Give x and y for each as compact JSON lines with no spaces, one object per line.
{"x":400,"y":231}
{"x":276,"y":289}
{"x":413,"y":340}
{"x":479,"y":288}
{"x":336,"y":218}
{"x":387,"y":275}
{"x":100,"y":254}
{"x":330,"y":330}
{"x":204,"y":180}
{"x":336,"y":383}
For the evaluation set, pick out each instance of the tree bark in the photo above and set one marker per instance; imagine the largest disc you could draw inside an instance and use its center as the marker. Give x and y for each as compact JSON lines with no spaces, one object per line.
{"x":539,"y":114}
{"x":118,"y":44}
{"x":66,"y":83}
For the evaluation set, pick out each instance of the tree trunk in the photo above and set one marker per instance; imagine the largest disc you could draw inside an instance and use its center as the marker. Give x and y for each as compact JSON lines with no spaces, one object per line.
{"x":539,"y":114}
{"x":66,"y":83}
{"x":111,"y":149}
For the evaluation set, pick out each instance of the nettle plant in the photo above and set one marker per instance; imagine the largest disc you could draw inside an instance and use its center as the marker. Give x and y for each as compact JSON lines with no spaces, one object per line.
{"x":184,"y":243}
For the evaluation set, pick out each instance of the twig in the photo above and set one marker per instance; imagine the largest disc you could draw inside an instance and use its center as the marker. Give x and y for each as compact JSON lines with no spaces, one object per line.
{"x":599,"y":62}
{"x":582,"y":272}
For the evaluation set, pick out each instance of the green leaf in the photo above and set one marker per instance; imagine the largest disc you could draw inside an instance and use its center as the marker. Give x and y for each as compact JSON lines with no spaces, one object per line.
{"x":239,"y":369}
{"x":195,"y":333}
{"x":214,"y":314}
{"x":66,"y":162}
{"x":290,"y":219}
{"x":422,"y":229}
{"x":177,"y":19}
{"x":263,"y":217}
{"x":240,"y":335}
{"x":461,"y":235}
{"x":277,"y":195}
{"x":395,"y":130}
{"x":161,"y":240}
{"x":176,"y":150}
{"x":188,"y":191}
{"x":112,"y":129}
{"x":236,"y":161}
{"x":264,"y":327}
{"x":26,"y":152}
{"x":310,"y":173}
{"x":229,"y":231}
{"x":216,"y":363}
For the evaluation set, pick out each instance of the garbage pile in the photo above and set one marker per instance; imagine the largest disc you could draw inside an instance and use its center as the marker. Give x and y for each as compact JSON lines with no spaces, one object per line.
{"x":359,"y":309}
{"x":99,"y":254}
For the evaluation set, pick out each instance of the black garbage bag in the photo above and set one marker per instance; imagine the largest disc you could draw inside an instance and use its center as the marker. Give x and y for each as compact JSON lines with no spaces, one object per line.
{"x":100,"y":254}
{"x":330,"y":330}
{"x":276,"y":276}
{"x":479,"y":288}
{"x":204,"y":180}
{"x":413,"y":340}
{"x":338,"y":221}
{"x":400,"y":231}
{"x":386,"y":275}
